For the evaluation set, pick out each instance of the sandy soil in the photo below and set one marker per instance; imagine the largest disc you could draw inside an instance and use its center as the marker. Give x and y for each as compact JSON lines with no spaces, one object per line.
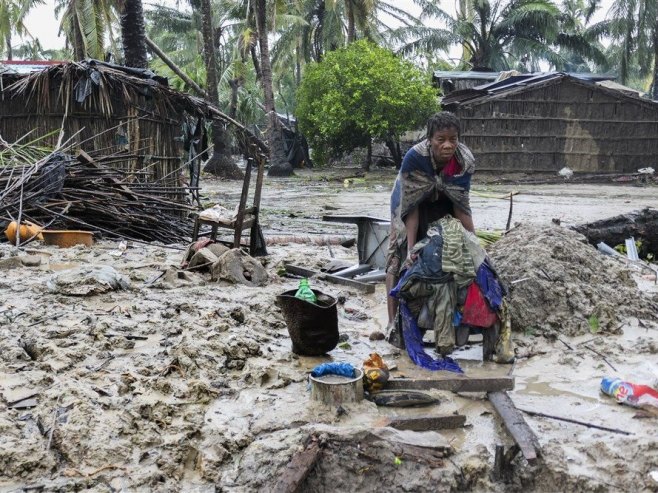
{"x":180,"y":383}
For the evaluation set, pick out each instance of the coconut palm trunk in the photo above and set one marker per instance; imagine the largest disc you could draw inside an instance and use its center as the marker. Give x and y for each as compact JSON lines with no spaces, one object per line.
{"x":279,"y":166}
{"x":10,"y":54}
{"x":221,"y":162}
{"x":133,"y":34}
{"x":654,"y":85}
{"x":351,"y":27}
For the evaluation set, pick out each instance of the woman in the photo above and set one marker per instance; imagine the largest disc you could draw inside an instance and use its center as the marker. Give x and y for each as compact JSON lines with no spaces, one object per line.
{"x":434,"y":180}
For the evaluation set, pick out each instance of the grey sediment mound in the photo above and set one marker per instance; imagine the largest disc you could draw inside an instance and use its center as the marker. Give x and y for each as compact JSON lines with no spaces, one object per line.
{"x":565,"y":284}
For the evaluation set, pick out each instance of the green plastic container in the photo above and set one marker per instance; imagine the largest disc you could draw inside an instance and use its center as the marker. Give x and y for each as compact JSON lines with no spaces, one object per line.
{"x":305,"y":293}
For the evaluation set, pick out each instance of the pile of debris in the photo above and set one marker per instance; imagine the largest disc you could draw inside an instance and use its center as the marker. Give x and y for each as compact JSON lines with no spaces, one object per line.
{"x":560,"y":283}
{"x":57,"y":191}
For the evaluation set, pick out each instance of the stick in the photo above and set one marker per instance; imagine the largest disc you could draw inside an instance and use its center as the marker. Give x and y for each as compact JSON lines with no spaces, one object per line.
{"x":576,"y":422}
{"x":54,"y":423}
{"x":509,"y":216}
{"x":602,"y":357}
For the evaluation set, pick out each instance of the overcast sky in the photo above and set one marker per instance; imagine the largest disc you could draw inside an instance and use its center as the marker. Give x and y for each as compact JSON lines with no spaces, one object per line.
{"x":43,"y":25}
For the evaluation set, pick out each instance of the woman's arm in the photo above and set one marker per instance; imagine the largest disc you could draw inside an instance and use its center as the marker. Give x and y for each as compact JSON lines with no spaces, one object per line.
{"x":466,"y":220}
{"x":411,"y":225}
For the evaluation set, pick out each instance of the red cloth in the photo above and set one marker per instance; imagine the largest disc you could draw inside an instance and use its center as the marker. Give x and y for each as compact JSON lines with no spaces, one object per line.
{"x":452,"y":168}
{"x":476,"y":309}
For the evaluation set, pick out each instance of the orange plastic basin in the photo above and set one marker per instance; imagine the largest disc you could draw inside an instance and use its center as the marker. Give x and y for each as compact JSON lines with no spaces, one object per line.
{"x":67,"y":238}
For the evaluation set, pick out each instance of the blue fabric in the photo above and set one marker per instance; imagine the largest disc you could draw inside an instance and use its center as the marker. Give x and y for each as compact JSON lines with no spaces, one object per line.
{"x":413,"y":340}
{"x":429,"y":266}
{"x":491,"y":288}
{"x":342,"y":369}
{"x":414,"y":161}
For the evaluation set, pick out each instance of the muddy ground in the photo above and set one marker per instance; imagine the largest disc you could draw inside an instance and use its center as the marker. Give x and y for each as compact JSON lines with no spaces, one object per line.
{"x":183,"y":384}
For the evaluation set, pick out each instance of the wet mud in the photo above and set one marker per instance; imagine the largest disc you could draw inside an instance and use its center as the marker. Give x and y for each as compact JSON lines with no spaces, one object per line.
{"x":179,"y":383}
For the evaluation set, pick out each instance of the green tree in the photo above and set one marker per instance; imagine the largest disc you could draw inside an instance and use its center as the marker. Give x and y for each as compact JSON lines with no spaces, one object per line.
{"x":85,"y":24}
{"x":359,"y":93}
{"x":633,"y":24}
{"x":12,"y":16}
{"x":497,"y":34}
{"x":575,"y":25}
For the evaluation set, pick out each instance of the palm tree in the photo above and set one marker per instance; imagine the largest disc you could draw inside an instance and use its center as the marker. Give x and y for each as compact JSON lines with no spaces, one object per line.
{"x":133,"y":33}
{"x":12,"y":17}
{"x":85,"y":24}
{"x":279,"y":166}
{"x":220,"y":163}
{"x":496,"y":34}
{"x":634,"y":24}
{"x":575,"y":29}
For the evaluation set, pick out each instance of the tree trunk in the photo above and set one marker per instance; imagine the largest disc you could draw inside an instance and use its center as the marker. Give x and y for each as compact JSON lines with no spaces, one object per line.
{"x":641,"y":225}
{"x":298,"y":63}
{"x":79,"y":52}
{"x":654,"y":87}
{"x":394,"y":148}
{"x":279,"y":166}
{"x":221,"y":163}
{"x":10,"y":53}
{"x":235,"y":86}
{"x":351,"y":29}
{"x":368,"y":163}
{"x":133,"y":34}
{"x":254,"y":59}
{"x":175,"y":69}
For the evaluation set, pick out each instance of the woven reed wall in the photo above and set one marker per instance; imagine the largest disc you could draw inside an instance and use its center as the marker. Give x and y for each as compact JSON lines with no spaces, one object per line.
{"x":561,"y":124}
{"x":144,"y":134}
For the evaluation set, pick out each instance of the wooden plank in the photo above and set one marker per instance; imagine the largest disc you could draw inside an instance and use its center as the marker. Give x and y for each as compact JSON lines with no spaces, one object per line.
{"x":426,"y":423}
{"x":352,"y":219}
{"x":516,"y":425}
{"x":302,"y":271}
{"x":457,"y":384}
{"x":298,"y":469}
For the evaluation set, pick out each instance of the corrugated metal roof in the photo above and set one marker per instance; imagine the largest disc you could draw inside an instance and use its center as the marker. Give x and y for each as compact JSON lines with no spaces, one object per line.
{"x":493,"y":76}
{"x":516,"y":82}
{"x":25,"y":66}
{"x":461,"y":75}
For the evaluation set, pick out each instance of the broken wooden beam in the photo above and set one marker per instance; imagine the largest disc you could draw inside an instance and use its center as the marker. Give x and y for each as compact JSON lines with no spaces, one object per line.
{"x":458,"y":384}
{"x":298,"y":469}
{"x":350,"y":283}
{"x":426,"y":423}
{"x":516,"y":425}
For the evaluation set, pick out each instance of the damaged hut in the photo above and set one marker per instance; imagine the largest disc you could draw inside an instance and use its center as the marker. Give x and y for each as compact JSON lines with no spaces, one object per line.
{"x":129,"y":114}
{"x":100,"y":147}
{"x":540,"y":123}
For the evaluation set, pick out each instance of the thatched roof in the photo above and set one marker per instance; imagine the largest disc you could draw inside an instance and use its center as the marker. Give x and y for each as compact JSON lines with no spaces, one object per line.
{"x":111,"y":86}
{"x":109,"y":83}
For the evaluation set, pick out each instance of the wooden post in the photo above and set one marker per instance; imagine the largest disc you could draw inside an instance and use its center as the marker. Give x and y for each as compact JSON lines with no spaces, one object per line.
{"x":516,"y":425}
{"x":298,"y":469}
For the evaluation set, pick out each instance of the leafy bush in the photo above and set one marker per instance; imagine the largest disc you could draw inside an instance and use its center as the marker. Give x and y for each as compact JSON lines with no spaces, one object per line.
{"x":359,"y":93}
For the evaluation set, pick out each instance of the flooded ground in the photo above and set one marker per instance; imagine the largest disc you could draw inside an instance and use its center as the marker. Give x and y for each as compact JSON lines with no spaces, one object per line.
{"x":183,"y":384}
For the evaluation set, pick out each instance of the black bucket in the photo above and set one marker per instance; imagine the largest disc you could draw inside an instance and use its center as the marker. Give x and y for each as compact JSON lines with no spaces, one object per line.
{"x":313,"y":327}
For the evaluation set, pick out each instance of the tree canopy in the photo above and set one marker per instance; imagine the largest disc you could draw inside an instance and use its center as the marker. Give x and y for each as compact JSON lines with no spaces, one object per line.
{"x":359,"y":93}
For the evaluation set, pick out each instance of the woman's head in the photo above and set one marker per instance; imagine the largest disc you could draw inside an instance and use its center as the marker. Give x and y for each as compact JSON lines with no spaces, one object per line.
{"x":443,"y":131}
